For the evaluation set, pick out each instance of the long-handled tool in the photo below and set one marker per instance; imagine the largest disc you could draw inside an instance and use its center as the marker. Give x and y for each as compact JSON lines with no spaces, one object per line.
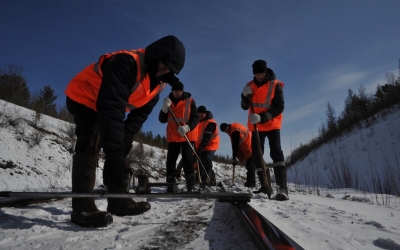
{"x":233,"y":173}
{"x":267,"y":182}
{"x":191,"y":146}
{"x":198,"y":171}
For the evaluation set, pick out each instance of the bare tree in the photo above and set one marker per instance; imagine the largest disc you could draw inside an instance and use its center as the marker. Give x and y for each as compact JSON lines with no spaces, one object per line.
{"x":64,"y":114}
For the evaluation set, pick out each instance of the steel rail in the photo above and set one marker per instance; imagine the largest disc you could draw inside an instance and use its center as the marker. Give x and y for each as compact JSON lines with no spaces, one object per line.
{"x":265,"y":235}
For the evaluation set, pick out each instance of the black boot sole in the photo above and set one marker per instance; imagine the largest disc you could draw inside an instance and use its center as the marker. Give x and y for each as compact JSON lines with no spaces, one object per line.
{"x":91,"y":219}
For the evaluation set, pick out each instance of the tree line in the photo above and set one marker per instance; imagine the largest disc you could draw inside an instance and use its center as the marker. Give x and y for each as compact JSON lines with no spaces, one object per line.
{"x":358,"y":107}
{"x":14,"y":89}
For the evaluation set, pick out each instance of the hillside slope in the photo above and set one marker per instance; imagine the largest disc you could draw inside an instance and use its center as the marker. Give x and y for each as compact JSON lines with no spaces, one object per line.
{"x":36,"y":153}
{"x":357,"y":159}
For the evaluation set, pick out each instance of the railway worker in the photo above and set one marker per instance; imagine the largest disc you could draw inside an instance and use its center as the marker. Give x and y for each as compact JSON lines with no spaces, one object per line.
{"x":264,"y":94}
{"x":99,"y":97}
{"x":182,"y":136}
{"x":206,"y":145}
{"x":241,"y":149}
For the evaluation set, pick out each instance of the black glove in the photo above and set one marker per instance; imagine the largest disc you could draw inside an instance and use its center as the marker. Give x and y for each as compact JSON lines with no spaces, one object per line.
{"x":245,"y":99}
{"x":235,"y":161}
{"x":169,"y":78}
{"x":116,"y":173}
{"x":198,"y":152}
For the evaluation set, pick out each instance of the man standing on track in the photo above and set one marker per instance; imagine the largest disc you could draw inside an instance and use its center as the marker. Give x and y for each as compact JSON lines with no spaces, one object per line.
{"x":265,"y":94}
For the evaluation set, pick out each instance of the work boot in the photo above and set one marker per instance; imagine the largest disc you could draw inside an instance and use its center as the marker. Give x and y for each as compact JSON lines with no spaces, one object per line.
{"x":249,"y":184}
{"x":84,"y":211}
{"x":261,"y":190}
{"x":170,"y":180}
{"x":281,"y":183}
{"x":190,"y":184}
{"x":91,"y":219}
{"x":124,"y":206}
{"x":205,"y":179}
{"x":213,"y":181}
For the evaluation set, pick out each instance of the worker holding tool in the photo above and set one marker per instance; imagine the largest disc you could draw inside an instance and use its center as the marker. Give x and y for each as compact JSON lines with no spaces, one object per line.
{"x":179,"y":111}
{"x":264,"y":96}
{"x":241,"y":149}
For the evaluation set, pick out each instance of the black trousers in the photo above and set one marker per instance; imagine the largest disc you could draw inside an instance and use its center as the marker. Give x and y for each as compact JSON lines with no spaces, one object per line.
{"x":174,"y":149}
{"x":206,"y":159}
{"x":274,"y":140}
{"x":85,"y":120}
{"x":250,"y":177}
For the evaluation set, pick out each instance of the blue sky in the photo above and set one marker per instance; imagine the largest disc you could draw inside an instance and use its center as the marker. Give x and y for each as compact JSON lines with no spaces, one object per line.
{"x":319,"y":49}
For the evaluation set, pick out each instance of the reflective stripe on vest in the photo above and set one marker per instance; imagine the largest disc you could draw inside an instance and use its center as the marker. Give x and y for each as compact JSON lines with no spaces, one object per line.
{"x":139,"y":60}
{"x":204,"y":125}
{"x":182,"y":113}
{"x":244,"y":135}
{"x":185,"y":118}
{"x":84,"y":87}
{"x":261,"y":99}
{"x":267,"y":103}
{"x":244,"y":150}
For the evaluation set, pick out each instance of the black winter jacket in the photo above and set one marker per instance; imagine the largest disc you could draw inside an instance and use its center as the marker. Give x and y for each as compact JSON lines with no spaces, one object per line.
{"x":119,"y":74}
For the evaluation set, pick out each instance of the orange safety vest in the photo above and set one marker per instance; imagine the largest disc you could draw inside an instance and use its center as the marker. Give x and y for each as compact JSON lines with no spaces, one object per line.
{"x":261,"y":99}
{"x":182,"y":114}
{"x":244,"y":151}
{"x":213,"y":144}
{"x":84,"y":87}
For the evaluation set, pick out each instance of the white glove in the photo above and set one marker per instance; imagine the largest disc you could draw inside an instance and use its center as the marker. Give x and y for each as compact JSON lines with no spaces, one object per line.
{"x":254,"y":118}
{"x":166,"y":104}
{"x":183,"y":129}
{"x":247,"y":90}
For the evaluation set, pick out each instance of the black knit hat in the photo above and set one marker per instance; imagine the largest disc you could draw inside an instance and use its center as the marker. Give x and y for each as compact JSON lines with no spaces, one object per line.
{"x":223,"y":126}
{"x":259,"y":66}
{"x":177,"y":86}
{"x":201,"y":109}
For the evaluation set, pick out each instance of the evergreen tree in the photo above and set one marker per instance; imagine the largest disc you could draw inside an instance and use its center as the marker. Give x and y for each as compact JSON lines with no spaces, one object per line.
{"x":44,"y":102}
{"x":330,"y":119}
{"x":47,"y":97}
{"x":13,"y":85}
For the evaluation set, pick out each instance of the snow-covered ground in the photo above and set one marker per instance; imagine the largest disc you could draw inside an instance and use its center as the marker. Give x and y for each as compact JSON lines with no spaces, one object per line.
{"x":316,"y":218}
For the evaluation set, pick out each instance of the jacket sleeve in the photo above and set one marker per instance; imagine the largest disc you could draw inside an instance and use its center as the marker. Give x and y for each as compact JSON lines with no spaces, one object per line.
{"x":235,"y":139}
{"x":163,"y":117}
{"x":277,"y":105}
{"x":119,"y":73}
{"x":245,"y":102}
{"x":208,"y":131}
{"x":135,"y":120}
